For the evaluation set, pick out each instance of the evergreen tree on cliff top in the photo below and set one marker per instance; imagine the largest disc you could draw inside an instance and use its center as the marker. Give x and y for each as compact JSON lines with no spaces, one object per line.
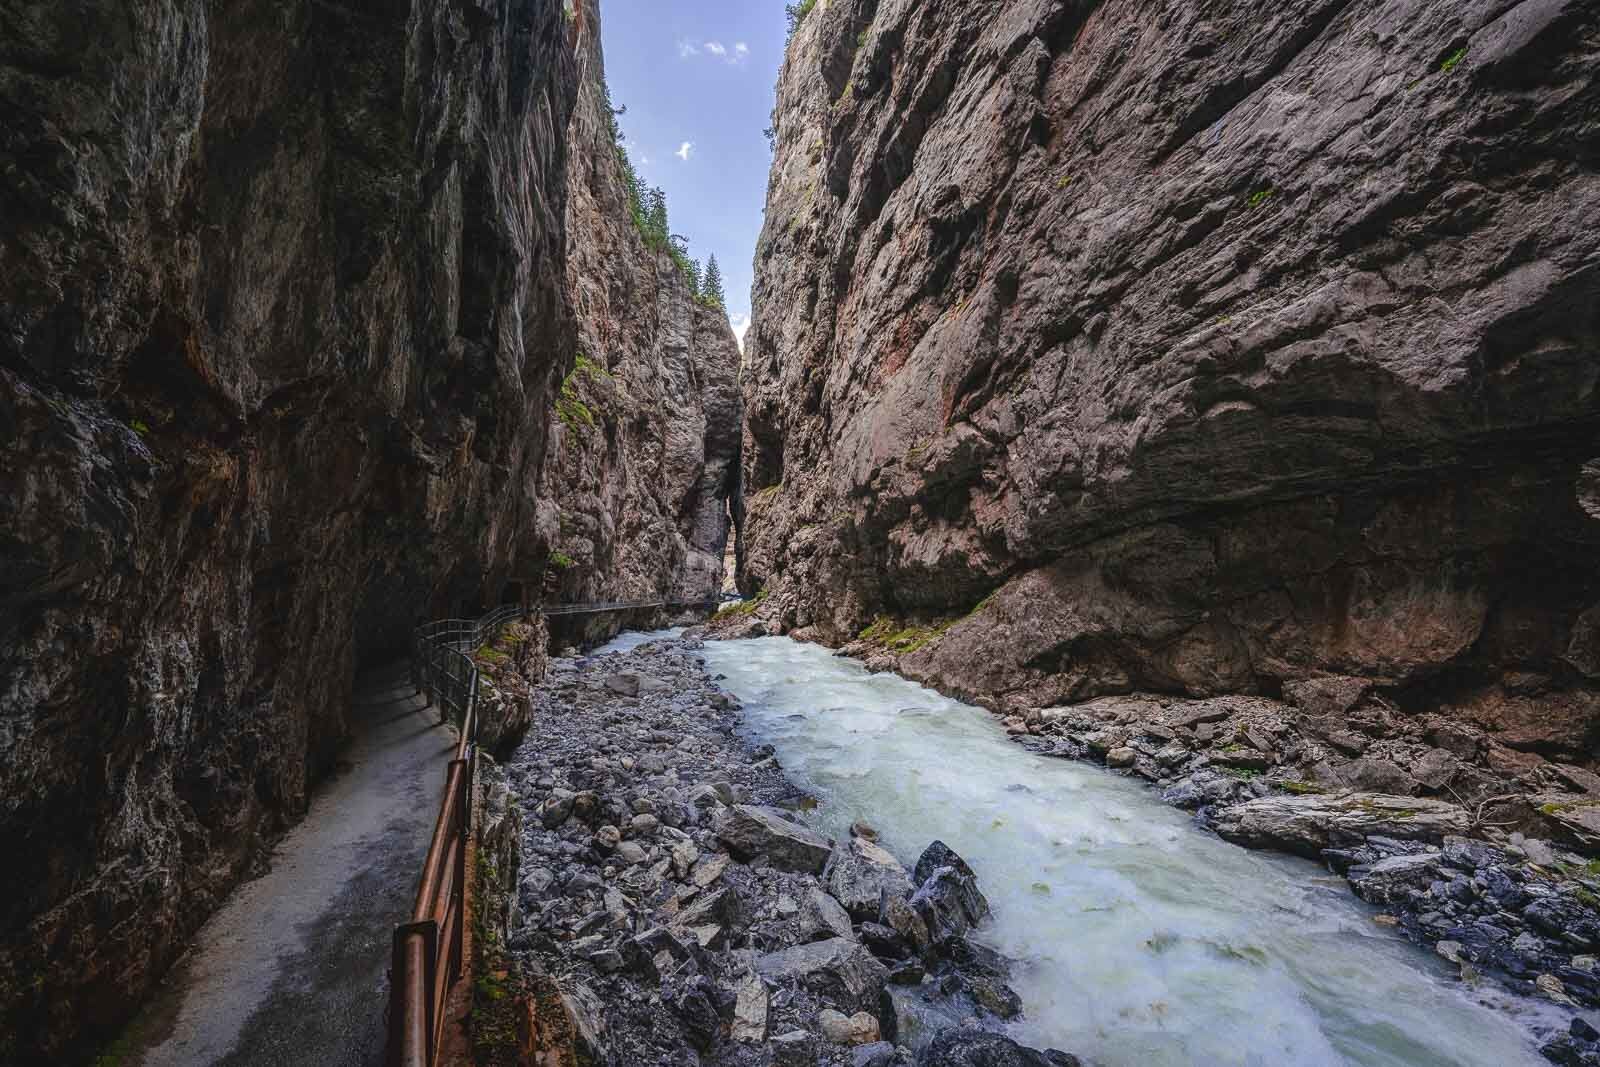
{"x":711,"y":285}
{"x":657,"y":232}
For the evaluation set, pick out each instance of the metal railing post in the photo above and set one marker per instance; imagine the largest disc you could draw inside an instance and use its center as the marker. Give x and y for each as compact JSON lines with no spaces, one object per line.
{"x":458,"y":892}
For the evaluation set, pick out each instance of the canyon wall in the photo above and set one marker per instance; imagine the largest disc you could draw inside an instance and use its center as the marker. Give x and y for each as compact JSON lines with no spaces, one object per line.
{"x":282,"y":321}
{"x":1190,"y":348}
{"x":644,"y":456}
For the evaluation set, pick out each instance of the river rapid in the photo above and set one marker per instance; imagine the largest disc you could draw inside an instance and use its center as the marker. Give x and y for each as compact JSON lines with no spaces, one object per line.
{"x":1143,"y":939}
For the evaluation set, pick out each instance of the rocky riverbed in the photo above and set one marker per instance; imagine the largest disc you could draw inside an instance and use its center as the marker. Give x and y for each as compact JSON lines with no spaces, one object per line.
{"x":1488,"y":898}
{"x":672,"y":886}
{"x":1501,"y":882}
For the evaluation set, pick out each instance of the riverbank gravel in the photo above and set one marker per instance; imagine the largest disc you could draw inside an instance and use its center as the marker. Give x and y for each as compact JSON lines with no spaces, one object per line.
{"x":671,"y":884}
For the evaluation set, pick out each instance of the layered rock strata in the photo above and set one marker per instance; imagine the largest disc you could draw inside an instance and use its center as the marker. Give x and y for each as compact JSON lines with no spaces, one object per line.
{"x":1189,"y":349}
{"x":645,"y":449}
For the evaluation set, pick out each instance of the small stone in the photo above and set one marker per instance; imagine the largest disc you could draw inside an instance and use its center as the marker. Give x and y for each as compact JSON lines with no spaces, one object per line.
{"x":631,"y":853}
{"x":750,"y":1011}
{"x":1201,"y":715}
{"x":720,"y":907}
{"x":1450,"y":950}
{"x":841,"y":1029}
{"x":607,"y":838}
{"x":1552,"y":987}
{"x":705,"y":798}
{"x":684,"y":855}
{"x":585,"y":806}
{"x":709,"y":869}
{"x":899,"y":916}
{"x":557,"y":808}
{"x":1539,"y":852}
{"x":1121,"y":757}
{"x":644,"y":825}
{"x":907,"y":973}
{"x":712,"y":937}
{"x":822,"y":917}
{"x":631,"y":685}
{"x":794,"y":1049}
{"x":751,"y":830}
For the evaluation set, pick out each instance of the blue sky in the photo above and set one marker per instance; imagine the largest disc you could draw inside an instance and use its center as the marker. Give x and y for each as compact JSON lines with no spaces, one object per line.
{"x":701,"y":73}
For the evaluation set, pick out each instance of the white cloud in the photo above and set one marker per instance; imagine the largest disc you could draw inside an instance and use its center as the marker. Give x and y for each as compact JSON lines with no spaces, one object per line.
{"x":685,"y":151}
{"x":734,"y":56}
{"x":741,"y":326}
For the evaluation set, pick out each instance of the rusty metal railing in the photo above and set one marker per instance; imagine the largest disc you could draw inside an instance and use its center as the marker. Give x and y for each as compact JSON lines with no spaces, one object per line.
{"x":429,"y":950}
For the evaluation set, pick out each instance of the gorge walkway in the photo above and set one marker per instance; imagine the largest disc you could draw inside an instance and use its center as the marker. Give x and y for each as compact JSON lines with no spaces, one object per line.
{"x":293,"y":969}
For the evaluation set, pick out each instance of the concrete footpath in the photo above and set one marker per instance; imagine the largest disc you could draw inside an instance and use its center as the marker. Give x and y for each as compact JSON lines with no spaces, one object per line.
{"x":294,"y":969}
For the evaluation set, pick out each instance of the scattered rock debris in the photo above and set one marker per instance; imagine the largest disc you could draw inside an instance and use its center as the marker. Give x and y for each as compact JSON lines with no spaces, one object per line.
{"x":671,"y":885}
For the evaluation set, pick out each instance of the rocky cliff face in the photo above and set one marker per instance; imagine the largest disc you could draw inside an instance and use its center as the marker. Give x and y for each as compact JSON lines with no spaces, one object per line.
{"x":1191,"y":349}
{"x":645,"y":449}
{"x":282,"y":319}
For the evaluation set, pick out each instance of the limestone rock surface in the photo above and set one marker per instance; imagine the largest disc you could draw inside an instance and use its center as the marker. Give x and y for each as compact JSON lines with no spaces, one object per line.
{"x":643,"y":473}
{"x":1188,"y":347}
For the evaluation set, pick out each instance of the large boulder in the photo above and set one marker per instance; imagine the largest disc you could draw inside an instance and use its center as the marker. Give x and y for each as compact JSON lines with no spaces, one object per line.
{"x":860,"y":873}
{"x":947,"y":898}
{"x":1310,"y":823}
{"x":914,"y":1015}
{"x":751,"y":830}
{"x":631,"y":684}
{"x":984,"y":1048}
{"x":822,"y":917}
{"x":1393,"y":880}
{"x":839,"y":969}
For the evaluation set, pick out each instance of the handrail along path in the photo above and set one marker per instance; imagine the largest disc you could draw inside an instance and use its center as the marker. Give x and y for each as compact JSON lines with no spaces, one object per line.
{"x":429,"y":950}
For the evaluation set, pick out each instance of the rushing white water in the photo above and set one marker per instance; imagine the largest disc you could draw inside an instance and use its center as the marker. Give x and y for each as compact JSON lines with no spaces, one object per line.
{"x":1144,"y":940}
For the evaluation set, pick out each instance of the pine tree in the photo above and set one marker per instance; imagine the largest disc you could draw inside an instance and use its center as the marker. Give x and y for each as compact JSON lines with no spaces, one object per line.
{"x":635,"y":188}
{"x":656,"y":230}
{"x":711,"y":284}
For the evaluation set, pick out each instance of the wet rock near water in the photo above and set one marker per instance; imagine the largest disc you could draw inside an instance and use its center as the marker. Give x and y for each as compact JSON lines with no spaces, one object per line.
{"x":672,"y":877}
{"x":1480,"y":857}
